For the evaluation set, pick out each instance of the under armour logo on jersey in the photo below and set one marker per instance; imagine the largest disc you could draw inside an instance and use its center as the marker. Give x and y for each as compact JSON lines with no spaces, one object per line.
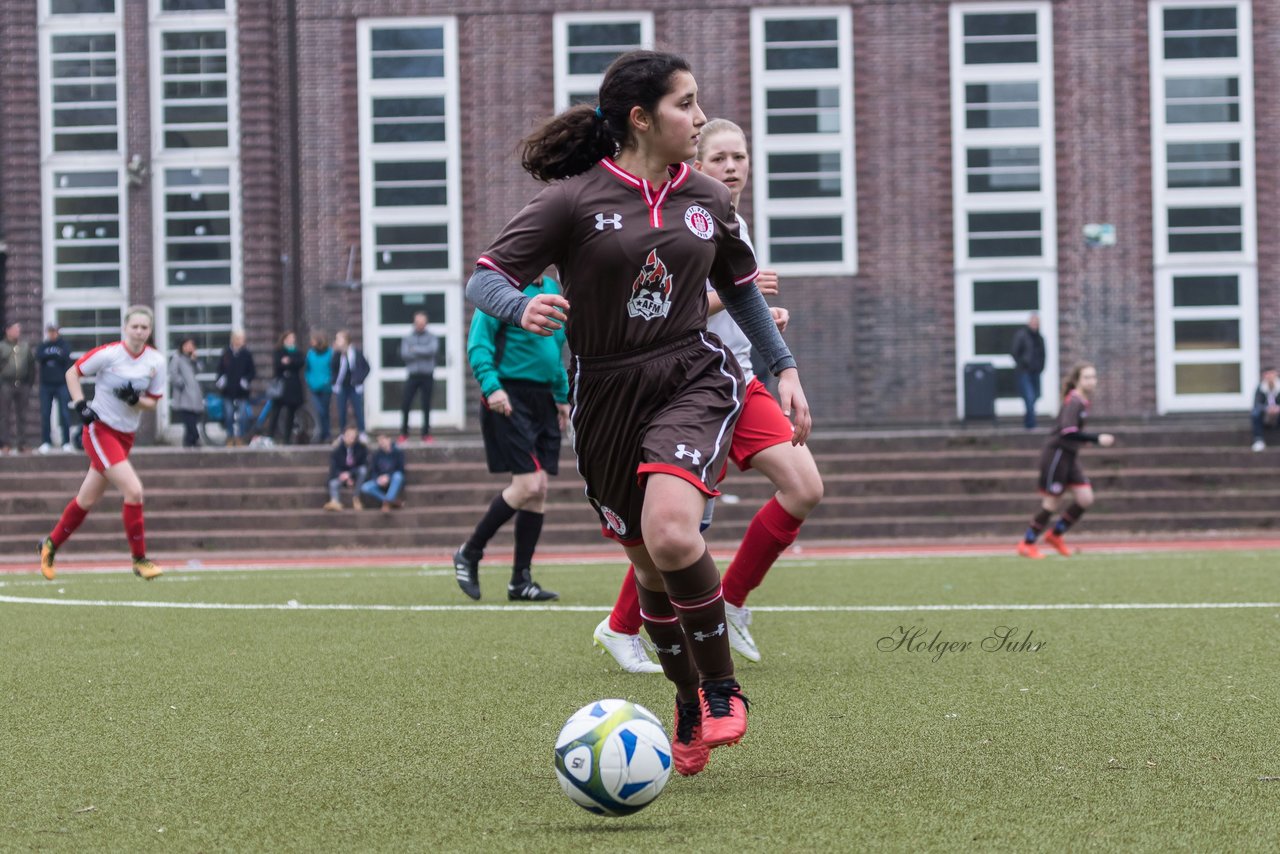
{"x":682,"y":452}
{"x":615,"y":221}
{"x":674,"y":649}
{"x":701,"y":636}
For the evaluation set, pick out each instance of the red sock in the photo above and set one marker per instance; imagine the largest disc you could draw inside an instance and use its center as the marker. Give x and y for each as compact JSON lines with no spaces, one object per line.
{"x":771,"y":531}
{"x":72,"y":515}
{"x":625,"y":617}
{"x":132,"y":514}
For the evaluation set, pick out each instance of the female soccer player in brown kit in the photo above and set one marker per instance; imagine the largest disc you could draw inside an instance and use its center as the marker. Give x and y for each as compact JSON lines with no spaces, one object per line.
{"x":761,"y":440}
{"x":1060,"y":471}
{"x":636,"y":234}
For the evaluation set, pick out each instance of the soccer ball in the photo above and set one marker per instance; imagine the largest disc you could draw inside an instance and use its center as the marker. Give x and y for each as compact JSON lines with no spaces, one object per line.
{"x":613,"y":757}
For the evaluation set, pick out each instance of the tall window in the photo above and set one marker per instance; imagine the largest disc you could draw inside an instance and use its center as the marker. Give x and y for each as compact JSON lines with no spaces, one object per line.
{"x":410,"y":205}
{"x":585,"y":44}
{"x":1004,"y":187}
{"x":83,"y":148}
{"x":1204,"y":213}
{"x":802,"y":125}
{"x":195,"y":173}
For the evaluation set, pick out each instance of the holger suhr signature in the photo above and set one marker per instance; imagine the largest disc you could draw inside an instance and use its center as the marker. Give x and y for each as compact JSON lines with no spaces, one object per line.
{"x":920,"y":639}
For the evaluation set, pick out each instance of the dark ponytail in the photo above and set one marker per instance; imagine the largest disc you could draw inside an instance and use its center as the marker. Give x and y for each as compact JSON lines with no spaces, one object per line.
{"x":573,"y":141}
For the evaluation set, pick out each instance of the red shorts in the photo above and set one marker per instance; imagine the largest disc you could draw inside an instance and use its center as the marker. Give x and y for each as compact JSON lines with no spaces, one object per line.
{"x":105,"y":446}
{"x":761,"y":425}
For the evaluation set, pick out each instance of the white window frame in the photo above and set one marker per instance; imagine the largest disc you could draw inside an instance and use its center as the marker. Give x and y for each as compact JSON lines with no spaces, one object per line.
{"x":1169,"y":265}
{"x":842,"y":143}
{"x":448,"y":280}
{"x":52,"y":162}
{"x":454,"y":371}
{"x":566,"y":83}
{"x":1042,"y":268}
{"x":164,"y":22}
{"x":164,"y":159}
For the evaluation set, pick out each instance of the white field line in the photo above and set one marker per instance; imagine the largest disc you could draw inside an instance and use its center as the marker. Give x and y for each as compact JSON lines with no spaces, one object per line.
{"x":790,"y":609}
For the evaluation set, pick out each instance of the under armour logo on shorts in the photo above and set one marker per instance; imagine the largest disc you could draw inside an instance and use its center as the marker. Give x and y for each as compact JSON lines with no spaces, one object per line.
{"x":682,"y":452}
{"x":615,"y":221}
{"x":701,"y":636}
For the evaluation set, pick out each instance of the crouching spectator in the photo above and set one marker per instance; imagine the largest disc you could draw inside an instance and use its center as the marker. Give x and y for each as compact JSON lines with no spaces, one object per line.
{"x":1266,"y":407}
{"x":386,"y":474}
{"x":347,"y":467}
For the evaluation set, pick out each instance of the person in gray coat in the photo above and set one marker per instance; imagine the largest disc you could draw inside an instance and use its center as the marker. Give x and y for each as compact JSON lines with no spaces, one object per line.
{"x":188,"y":398}
{"x":418,"y":350}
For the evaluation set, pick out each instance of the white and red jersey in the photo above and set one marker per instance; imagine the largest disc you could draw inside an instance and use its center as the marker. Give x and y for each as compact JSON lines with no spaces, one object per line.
{"x":113,"y":367}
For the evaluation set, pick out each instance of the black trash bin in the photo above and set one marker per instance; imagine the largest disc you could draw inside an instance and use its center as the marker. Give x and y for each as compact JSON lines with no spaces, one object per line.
{"x":979,"y":391}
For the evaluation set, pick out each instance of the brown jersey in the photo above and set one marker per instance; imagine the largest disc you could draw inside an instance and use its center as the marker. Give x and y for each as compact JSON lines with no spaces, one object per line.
{"x":1071,"y":418}
{"x":633,"y":259}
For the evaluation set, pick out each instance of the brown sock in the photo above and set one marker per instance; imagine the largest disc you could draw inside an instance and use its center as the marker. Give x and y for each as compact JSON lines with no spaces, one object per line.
{"x":668,"y":639}
{"x":699,"y":602}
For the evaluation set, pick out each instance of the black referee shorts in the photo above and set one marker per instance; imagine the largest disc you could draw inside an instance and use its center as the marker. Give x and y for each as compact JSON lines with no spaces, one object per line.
{"x":529,"y":439}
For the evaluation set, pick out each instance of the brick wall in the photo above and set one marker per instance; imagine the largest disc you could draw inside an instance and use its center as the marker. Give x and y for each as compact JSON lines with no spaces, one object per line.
{"x":878,"y":347}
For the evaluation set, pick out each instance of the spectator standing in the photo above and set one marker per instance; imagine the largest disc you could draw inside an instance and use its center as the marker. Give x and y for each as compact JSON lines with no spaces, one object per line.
{"x":54,"y":358}
{"x":386,"y":474}
{"x":289,"y":364}
{"x":320,"y":381}
{"x":1266,"y":407}
{"x":235,"y":373}
{"x":348,"y":372}
{"x":1028,"y":361}
{"x":348,"y":463}
{"x":17,"y":374}
{"x":418,"y":350}
{"x":188,"y":397}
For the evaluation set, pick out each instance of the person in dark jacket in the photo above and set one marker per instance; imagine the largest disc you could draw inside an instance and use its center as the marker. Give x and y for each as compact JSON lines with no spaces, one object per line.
{"x":386,"y":474}
{"x":54,"y":358}
{"x":348,"y":463}
{"x":1028,"y":360}
{"x":349,"y":370}
{"x":288,"y":366}
{"x":235,"y":372}
{"x":17,"y":373}
{"x":1266,"y":407}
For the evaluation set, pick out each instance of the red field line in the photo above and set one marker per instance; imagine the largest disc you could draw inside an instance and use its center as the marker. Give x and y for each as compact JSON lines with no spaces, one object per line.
{"x":181,"y":562}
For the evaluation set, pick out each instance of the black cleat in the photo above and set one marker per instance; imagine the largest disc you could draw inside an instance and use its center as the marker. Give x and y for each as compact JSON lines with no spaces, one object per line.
{"x":467,"y":570}
{"x":527,"y":590}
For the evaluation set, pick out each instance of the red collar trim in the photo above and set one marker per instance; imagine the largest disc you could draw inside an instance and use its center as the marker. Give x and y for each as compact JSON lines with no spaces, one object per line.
{"x":653,"y":197}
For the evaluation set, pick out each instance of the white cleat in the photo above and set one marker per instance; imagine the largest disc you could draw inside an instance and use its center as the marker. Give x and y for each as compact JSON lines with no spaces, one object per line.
{"x":740,"y":639}
{"x":630,"y":651}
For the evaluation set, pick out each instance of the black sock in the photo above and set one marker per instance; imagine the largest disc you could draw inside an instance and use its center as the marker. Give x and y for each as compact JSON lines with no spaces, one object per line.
{"x":1069,"y":517}
{"x":1037,"y":526}
{"x":494,"y":518}
{"x":528,"y":529}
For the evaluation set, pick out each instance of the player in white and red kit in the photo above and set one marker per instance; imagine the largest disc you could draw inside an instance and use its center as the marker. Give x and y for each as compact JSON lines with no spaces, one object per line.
{"x":130,"y":377}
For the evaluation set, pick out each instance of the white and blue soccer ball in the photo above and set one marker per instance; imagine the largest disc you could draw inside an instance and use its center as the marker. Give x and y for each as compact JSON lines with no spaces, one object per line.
{"x":613,"y":757}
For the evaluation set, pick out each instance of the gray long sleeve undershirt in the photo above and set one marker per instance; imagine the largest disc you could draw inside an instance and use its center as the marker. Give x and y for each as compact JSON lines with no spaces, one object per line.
{"x":748,"y":309}
{"x":494,"y":295}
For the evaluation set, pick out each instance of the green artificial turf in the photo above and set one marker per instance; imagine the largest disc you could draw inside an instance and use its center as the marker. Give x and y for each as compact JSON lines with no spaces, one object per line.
{"x":130,"y":728}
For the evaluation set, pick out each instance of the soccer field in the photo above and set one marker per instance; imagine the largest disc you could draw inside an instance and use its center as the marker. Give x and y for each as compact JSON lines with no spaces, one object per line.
{"x":1130,"y":701}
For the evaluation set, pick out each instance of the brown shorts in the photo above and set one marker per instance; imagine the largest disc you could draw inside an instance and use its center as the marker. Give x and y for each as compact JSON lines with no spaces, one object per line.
{"x":669,"y":408}
{"x":1059,"y":471}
